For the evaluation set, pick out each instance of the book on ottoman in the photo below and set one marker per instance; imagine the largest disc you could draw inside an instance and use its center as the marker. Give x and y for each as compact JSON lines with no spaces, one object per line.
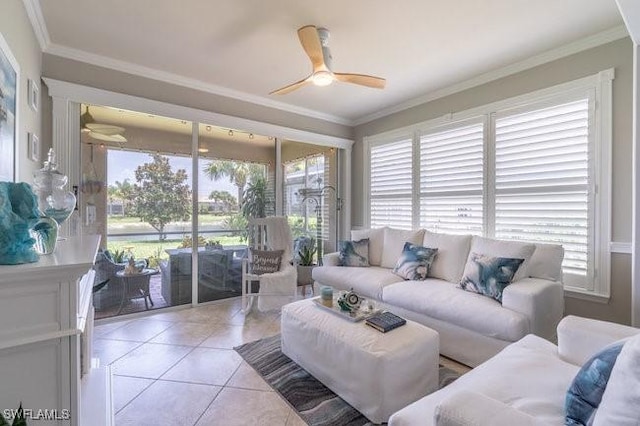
{"x":385,"y":321}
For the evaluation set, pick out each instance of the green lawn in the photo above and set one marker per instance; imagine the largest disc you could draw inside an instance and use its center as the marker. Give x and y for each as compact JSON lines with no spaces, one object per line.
{"x":204,"y":219}
{"x":156,"y":249}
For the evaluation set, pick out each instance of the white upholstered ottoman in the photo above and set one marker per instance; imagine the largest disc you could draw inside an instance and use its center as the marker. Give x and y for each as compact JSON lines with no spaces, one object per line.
{"x":377,"y":373}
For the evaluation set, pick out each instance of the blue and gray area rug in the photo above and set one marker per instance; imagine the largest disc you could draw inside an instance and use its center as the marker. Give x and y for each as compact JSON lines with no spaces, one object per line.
{"x":314,"y":402}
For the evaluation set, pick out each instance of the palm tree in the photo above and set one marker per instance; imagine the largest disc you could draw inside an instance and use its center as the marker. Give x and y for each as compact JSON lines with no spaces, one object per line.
{"x":121,"y":191}
{"x":239,"y":173}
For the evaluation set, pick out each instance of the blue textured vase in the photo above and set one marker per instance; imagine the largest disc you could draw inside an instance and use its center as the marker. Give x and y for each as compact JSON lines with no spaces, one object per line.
{"x":45,"y":234}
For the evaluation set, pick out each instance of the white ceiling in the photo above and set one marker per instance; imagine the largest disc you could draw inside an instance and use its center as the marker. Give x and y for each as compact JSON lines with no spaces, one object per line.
{"x":248,"y":48}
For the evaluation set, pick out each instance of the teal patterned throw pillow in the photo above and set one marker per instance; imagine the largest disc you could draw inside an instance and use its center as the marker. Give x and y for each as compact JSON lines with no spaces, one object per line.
{"x":586,"y":390}
{"x":414,"y":262}
{"x":354,"y":253}
{"x":489,"y":275}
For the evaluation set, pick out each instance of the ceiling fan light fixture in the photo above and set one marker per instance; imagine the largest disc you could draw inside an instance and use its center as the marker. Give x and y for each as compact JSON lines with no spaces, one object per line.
{"x":322,"y":78}
{"x":86,"y":118}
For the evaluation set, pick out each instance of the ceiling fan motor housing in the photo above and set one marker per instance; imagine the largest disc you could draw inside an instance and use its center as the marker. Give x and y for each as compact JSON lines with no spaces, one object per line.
{"x":323,"y":34}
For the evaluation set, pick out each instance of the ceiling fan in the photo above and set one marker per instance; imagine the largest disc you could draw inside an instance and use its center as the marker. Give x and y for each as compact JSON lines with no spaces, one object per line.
{"x":101,"y":132}
{"x":315,"y":42}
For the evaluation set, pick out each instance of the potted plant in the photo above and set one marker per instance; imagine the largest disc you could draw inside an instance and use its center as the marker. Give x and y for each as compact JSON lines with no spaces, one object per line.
{"x":306,"y":264}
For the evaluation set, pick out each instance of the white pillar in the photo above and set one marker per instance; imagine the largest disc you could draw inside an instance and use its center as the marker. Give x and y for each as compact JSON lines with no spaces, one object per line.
{"x":635,"y":233}
{"x":345,"y":194}
{"x":279,"y":178}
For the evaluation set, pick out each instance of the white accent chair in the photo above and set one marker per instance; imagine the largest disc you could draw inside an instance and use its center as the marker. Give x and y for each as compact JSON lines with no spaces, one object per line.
{"x":274,"y":289}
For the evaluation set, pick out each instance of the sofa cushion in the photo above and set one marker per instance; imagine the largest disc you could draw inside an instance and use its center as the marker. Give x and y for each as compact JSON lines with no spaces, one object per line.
{"x":354,"y":253}
{"x":501,"y":248}
{"x":367,"y":282}
{"x":453,"y":251}
{"x":414,"y":262}
{"x":620,"y":403}
{"x":586,"y":390}
{"x":443,"y":301}
{"x":527,"y":375}
{"x":394,"y":240}
{"x":489,"y":275}
{"x":376,"y":242}
{"x":546,"y":262}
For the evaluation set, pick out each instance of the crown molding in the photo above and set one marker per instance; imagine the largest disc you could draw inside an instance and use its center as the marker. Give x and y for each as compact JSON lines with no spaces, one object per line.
{"x":595,"y":40}
{"x":34,"y":12}
{"x":171,"y":78}
{"x":39,"y":26}
{"x":91,"y":95}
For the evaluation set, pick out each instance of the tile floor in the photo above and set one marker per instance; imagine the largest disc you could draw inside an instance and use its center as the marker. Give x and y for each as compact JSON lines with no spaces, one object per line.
{"x":179,"y":368}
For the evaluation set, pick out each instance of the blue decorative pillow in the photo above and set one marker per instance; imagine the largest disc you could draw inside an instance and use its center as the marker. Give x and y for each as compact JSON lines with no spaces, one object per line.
{"x":414,"y":262}
{"x":489,"y":275}
{"x":354,"y":253}
{"x":585,"y":393}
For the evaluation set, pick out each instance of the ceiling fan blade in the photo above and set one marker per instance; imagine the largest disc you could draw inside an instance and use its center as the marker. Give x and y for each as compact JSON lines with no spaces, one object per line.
{"x":290,"y":88}
{"x":105,"y":129}
{"x":361,"y":79}
{"x":310,"y":41}
{"x":107,"y":138}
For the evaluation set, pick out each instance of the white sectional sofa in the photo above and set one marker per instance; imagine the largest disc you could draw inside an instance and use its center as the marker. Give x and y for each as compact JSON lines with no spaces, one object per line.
{"x":472,"y":327}
{"x":526,"y":383}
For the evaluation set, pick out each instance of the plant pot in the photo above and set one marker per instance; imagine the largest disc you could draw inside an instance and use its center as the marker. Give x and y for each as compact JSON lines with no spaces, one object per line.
{"x":304,"y":274}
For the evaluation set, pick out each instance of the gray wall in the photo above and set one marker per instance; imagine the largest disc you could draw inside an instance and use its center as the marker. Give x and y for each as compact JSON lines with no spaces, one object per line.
{"x":616,"y":55}
{"x":16,"y":30}
{"x":116,"y":81}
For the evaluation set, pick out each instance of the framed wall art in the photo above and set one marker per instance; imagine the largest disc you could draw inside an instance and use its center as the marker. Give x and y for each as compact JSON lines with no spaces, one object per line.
{"x":9,"y":76}
{"x":34,"y":147}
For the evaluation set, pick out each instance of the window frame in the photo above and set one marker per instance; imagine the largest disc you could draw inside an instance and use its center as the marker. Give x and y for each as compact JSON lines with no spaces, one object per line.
{"x":598,"y":88}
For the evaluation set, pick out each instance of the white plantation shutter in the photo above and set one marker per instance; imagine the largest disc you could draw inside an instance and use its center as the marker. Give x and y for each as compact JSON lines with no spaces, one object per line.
{"x":390,"y":186}
{"x":451,"y":180}
{"x":542,"y":180}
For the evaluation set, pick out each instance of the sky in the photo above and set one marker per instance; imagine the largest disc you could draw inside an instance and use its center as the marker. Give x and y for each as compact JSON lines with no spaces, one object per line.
{"x":121,"y":165}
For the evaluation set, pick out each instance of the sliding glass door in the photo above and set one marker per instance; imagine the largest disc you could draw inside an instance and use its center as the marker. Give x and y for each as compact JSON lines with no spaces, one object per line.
{"x":172,"y":206}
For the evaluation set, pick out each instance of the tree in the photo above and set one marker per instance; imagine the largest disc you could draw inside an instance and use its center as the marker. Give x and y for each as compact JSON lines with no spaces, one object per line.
{"x":160,"y":195}
{"x":123,"y":192}
{"x":227,"y":200}
{"x":238,"y":172}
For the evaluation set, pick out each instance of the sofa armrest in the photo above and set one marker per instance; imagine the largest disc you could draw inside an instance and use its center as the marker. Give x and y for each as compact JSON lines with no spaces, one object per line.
{"x":541,"y":301}
{"x":580,"y":338}
{"x":331,"y":259}
{"x":467,"y":408}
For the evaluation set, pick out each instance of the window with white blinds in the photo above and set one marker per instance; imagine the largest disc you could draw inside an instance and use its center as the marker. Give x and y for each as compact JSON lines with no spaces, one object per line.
{"x":452,"y":180}
{"x":390,"y":187}
{"x":542,"y":180}
{"x":534,"y":168}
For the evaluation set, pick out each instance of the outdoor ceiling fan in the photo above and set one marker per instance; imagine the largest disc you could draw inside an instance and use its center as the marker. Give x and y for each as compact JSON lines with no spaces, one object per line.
{"x":315,"y":42}
{"x":101,"y":132}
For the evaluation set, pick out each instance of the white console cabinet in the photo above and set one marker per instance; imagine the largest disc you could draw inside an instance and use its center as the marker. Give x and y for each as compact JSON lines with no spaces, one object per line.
{"x":46,"y":324}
